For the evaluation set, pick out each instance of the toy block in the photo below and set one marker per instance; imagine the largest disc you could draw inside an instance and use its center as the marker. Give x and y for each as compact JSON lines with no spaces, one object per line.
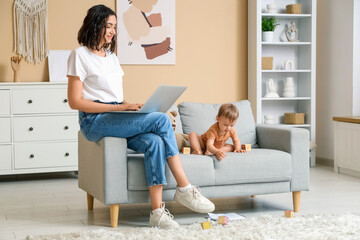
{"x":205,"y":225}
{"x":224,"y":220}
{"x":246,"y":147}
{"x":289,"y":214}
{"x":186,"y":150}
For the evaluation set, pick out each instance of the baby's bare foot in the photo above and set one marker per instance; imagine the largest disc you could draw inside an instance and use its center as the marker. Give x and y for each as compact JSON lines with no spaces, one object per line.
{"x":207,"y":153}
{"x":197,"y":152}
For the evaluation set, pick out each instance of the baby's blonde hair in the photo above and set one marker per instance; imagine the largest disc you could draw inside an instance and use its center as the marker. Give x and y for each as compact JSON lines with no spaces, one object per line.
{"x":229,"y":111}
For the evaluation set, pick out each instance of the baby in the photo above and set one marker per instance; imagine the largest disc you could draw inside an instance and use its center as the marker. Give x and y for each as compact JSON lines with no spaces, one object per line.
{"x":213,"y":141}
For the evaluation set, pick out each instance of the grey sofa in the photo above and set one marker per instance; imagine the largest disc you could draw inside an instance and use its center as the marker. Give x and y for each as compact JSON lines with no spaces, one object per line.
{"x":277,"y":163}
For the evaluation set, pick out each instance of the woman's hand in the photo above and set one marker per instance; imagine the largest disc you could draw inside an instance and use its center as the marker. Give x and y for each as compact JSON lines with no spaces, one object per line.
{"x":139,"y":105}
{"x":130,"y":107}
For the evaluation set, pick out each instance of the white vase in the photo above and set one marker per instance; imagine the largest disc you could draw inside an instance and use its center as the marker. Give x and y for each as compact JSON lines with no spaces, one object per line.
{"x":267,"y":36}
{"x":289,"y":65}
{"x":271,"y":8}
{"x":268,"y":119}
{"x":289,"y":88}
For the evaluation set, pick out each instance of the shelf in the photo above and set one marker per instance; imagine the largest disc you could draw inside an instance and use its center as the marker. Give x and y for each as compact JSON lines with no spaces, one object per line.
{"x":284,"y":15}
{"x":287,"y":71}
{"x":286,"y":43}
{"x":285,"y":99}
{"x":302,"y":54}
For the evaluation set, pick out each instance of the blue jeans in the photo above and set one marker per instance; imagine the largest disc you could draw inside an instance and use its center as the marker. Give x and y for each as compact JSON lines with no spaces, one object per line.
{"x":149,"y":133}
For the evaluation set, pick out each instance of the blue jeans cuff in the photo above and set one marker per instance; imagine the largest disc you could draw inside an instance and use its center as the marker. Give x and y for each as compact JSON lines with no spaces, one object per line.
{"x":172,"y":154}
{"x":155,"y":184}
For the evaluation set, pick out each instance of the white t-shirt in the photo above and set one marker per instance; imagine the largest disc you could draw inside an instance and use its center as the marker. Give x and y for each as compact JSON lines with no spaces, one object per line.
{"x":101,"y":76}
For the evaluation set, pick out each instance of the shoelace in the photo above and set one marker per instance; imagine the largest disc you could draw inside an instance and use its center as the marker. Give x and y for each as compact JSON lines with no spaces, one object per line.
{"x":166,"y":211}
{"x":196,"y":192}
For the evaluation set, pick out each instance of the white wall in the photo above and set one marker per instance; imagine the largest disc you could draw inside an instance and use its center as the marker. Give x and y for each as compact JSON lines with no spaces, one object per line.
{"x":356,"y":59}
{"x":335,"y":69}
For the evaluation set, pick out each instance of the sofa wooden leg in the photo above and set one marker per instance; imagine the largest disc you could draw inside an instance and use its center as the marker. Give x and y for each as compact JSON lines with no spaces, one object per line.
{"x":296,"y":201}
{"x":90,"y":201}
{"x":114,"y":215}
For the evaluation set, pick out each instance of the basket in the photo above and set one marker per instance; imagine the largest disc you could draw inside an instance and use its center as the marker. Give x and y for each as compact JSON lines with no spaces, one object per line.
{"x":267,"y":63}
{"x":293,"y":8}
{"x":294,"y":118}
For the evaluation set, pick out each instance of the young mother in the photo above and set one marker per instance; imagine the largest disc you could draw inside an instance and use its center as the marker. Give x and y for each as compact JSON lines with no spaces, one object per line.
{"x":95,"y":89}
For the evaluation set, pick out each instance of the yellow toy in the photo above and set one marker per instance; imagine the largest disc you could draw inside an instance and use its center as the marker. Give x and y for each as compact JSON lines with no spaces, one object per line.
{"x":205,"y":225}
{"x":181,"y":138}
{"x":185,"y":150}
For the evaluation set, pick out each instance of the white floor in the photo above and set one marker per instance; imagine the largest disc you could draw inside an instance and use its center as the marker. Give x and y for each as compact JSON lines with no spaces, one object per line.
{"x":50,"y":203}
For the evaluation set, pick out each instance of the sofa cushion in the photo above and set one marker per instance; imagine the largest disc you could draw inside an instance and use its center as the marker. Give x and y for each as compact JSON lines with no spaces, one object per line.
{"x":258,"y":165}
{"x":199,"y":170}
{"x":198,"y":117}
{"x":178,"y":128}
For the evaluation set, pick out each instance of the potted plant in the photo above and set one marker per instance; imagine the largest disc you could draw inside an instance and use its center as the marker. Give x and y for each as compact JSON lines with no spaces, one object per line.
{"x":268,"y":27}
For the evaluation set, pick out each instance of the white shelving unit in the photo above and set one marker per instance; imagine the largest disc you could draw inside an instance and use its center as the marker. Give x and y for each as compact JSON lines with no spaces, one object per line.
{"x":302,"y":53}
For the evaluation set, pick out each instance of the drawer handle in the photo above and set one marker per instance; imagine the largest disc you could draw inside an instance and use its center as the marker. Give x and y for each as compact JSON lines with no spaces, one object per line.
{"x":30,"y":101}
{"x":65,"y":100}
{"x":31,"y":129}
{"x":32,"y":156}
{"x":67,"y":154}
{"x":66,"y":127}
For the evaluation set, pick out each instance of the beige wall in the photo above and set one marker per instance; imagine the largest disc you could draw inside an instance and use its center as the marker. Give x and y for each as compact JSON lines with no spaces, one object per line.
{"x":211,"y":49}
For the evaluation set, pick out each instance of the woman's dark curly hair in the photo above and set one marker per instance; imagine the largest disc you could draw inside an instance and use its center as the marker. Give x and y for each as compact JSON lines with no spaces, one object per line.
{"x":91,"y":34}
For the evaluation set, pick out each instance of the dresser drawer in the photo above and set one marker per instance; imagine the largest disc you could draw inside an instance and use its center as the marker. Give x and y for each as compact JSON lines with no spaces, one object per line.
{"x":45,"y":128}
{"x":4,"y":102}
{"x":40,"y":101}
{"x":5,"y":130}
{"x":5,"y":157}
{"x":36,"y":155}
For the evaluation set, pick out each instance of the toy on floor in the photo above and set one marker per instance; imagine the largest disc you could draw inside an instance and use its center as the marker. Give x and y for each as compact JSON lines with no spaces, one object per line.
{"x":206,"y":225}
{"x":181,"y":138}
{"x":246,"y":147}
{"x":223,"y":220}
{"x":289,"y":214}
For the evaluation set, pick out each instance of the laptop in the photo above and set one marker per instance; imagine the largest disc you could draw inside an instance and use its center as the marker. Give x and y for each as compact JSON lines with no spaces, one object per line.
{"x":161,"y":100}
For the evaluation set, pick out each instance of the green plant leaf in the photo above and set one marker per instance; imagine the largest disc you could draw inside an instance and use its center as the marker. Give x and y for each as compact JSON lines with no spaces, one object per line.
{"x":269,"y":24}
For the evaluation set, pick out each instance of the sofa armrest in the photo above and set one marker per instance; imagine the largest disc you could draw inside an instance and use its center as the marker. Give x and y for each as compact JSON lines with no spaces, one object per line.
{"x":294,"y":141}
{"x":103,"y":169}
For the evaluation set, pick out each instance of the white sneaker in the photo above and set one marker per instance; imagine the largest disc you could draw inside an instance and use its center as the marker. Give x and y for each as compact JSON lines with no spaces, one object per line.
{"x":193,"y":200}
{"x":162,"y":219}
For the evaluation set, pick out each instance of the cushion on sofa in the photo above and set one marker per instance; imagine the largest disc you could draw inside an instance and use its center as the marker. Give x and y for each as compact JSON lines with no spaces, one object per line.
{"x":178,"y":128}
{"x":198,"y":117}
{"x":199,"y":170}
{"x":258,"y":165}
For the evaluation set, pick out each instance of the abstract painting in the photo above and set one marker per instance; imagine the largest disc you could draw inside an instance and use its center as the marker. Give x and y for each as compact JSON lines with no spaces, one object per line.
{"x":146,"y":32}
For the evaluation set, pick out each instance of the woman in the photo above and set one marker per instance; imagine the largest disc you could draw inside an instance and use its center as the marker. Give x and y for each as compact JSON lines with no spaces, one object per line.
{"x":95,"y":89}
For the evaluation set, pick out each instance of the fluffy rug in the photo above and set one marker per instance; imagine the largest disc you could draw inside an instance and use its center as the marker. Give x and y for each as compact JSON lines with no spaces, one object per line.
{"x":310,"y":226}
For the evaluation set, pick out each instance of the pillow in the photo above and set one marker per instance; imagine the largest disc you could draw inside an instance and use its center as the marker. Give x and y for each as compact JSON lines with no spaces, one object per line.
{"x":178,"y":128}
{"x":198,"y":117}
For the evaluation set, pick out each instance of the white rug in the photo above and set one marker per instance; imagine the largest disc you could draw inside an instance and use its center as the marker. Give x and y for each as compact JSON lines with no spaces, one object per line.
{"x":310,"y":226}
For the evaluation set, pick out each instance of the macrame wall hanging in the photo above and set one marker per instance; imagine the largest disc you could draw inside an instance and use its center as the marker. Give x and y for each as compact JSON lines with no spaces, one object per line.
{"x":30,"y":29}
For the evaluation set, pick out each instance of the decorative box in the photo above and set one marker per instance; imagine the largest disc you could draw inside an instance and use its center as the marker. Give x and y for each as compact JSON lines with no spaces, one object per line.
{"x":294,"y":118}
{"x":267,"y":63}
{"x":293,"y":8}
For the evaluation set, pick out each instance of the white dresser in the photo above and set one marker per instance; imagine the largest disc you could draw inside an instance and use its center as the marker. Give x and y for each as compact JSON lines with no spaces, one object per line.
{"x":38,"y":130}
{"x":346,"y":145}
